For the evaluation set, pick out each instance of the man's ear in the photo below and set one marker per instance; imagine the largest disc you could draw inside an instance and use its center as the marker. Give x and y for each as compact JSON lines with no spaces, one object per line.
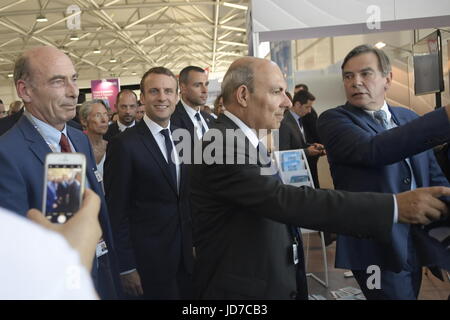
{"x":388,"y":81}
{"x":24,"y":90}
{"x":242,"y":95}
{"x":182,"y":87}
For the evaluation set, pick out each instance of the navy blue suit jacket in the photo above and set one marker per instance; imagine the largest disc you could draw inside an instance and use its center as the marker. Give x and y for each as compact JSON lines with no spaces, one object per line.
{"x":150,"y":219}
{"x":22,"y":157}
{"x":365,"y":157}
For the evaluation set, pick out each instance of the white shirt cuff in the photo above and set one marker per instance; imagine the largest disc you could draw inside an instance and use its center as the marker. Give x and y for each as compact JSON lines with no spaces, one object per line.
{"x":395,"y":209}
{"x":127,"y":272}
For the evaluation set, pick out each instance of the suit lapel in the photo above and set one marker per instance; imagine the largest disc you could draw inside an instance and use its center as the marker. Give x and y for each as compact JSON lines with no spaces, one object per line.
{"x":35,"y":141}
{"x":152,"y":146}
{"x":77,"y":142}
{"x":294,"y":124}
{"x":364,"y":117}
{"x":400,"y":120}
{"x":186,"y":120}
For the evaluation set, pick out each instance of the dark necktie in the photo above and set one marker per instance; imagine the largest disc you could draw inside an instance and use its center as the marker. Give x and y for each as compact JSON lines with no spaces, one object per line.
{"x":300,"y":122}
{"x":169,"y":148}
{"x":64,"y":143}
{"x":381,"y":117}
{"x":200,"y":123}
{"x":263,"y":155}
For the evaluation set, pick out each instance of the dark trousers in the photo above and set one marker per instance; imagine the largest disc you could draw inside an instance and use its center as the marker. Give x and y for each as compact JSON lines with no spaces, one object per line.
{"x":404,"y":285}
{"x":178,"y":288}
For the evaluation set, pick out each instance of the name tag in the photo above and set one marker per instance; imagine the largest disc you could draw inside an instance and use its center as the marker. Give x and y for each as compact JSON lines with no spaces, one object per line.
{"x":101,"y":248}
{"x":295,"y":253}
{"x":98,"y":176}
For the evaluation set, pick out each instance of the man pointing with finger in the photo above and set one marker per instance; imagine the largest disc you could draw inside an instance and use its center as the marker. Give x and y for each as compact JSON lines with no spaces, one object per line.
{"x":372,"y":146}
{"x":247,"y":245}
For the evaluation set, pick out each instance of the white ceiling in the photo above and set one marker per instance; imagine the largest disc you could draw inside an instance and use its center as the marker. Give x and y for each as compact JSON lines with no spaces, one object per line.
{"x":139,"y":34}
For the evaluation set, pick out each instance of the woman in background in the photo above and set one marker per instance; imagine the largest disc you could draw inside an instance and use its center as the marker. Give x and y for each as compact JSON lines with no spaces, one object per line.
{"x":94,"y":118}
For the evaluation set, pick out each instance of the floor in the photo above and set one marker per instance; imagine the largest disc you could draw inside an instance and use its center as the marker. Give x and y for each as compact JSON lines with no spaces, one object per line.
{"x":432,"y":288}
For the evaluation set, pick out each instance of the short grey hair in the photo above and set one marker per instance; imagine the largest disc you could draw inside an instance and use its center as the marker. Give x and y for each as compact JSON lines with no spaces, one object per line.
{"x":383,"y":60}
{"x":22,"y":70}
{"x":86,"y":108}
{"x":236,"y":77}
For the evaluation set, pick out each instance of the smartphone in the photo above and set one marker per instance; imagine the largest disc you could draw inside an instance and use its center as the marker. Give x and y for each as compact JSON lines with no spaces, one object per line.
{"x":64,"y":181}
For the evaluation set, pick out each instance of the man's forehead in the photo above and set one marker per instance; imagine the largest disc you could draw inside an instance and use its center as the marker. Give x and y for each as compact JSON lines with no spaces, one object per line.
{"x":197,"y":76}
{"x":156,"y":80}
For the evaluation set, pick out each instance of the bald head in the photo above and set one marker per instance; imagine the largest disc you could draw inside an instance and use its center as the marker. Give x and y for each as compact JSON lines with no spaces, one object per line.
{"x":32,"y":59}
{"x":45,"y":79}
{"x":254,"y":90}
{"x":240,"y":72}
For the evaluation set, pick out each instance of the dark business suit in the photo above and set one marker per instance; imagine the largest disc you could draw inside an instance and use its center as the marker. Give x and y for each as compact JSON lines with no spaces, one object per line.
{"x":113,"y":130}
{"x":22,"y":157}
{"x":180,"y":119}
{"x":290,"y":137}
{"x":240,"y":217}
{"x":151,"y":220}
{"x":9,"y":121}
{"x":363,"y":156}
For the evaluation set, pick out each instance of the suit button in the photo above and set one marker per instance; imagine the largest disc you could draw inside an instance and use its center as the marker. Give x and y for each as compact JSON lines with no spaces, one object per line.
{"x":407,"y":181}
{"x":293,"y":295}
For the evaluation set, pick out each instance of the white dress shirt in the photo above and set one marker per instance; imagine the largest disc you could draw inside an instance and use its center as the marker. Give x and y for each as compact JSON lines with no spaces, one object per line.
{"x":191,"y":113}
{"x":123,"y":127}
{"x":160,"y":140}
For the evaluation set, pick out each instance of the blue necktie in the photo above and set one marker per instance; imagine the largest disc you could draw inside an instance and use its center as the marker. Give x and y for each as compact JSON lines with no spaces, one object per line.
{"x":200,"y":123}
{"x":381,"y":117}
{"x":169,"y":148}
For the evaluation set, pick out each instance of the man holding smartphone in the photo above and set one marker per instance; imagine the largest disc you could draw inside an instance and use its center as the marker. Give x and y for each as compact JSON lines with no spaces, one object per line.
{"x":49,"y":92}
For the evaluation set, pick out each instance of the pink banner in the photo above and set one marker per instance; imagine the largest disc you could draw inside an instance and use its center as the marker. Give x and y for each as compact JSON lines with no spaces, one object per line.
{"x":106,"y":89}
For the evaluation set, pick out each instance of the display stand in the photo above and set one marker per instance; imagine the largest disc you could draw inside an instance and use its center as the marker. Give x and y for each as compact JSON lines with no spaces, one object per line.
{"x":294,"y":170}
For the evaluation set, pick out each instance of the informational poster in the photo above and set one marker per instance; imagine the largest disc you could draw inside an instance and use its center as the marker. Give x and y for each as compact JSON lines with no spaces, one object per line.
{"x":281,"y":54}
{"x":107,"y":90}
{"x":293,"y":168}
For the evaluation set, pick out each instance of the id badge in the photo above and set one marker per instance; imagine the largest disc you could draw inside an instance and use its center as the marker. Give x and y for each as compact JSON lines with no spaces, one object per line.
{"x":101,"y":248}
{"x":295,"y":253}
{"x":98,"y":176}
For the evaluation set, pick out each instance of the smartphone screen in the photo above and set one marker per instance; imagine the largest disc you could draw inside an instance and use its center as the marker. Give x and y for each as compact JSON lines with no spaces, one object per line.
{"x":64,"y":191}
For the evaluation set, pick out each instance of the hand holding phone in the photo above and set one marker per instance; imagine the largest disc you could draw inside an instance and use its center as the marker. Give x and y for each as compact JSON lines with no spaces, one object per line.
{"x":64,"y":181}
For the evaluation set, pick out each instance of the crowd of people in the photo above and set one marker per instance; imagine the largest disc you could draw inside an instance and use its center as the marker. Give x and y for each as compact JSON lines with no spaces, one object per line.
{"x":177,"y":226}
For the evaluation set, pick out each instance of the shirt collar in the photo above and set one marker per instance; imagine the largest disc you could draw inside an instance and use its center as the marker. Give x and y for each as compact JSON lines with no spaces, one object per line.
{"x":385,"y":108}
{"x":249,"y":133}
{"x":191,"y":111}
{"x":50,"y":134}
{"x":296,"y":116}
{"x":153,"y":126}
{"x":122,"y":127}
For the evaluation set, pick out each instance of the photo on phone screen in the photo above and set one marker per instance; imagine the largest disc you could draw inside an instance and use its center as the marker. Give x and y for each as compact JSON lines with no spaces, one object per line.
{"x":64,"y":191}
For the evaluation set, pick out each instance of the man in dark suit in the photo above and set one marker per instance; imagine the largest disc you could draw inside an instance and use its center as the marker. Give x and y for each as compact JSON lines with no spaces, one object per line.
{"x":126,"y":106}
{"x":194,"y":93}
{"x":293,"y":134}
{"x":375,"y":147}
{"x":49,"y":92}
{"x":148,"y":199}
{"x":246,"y":245}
